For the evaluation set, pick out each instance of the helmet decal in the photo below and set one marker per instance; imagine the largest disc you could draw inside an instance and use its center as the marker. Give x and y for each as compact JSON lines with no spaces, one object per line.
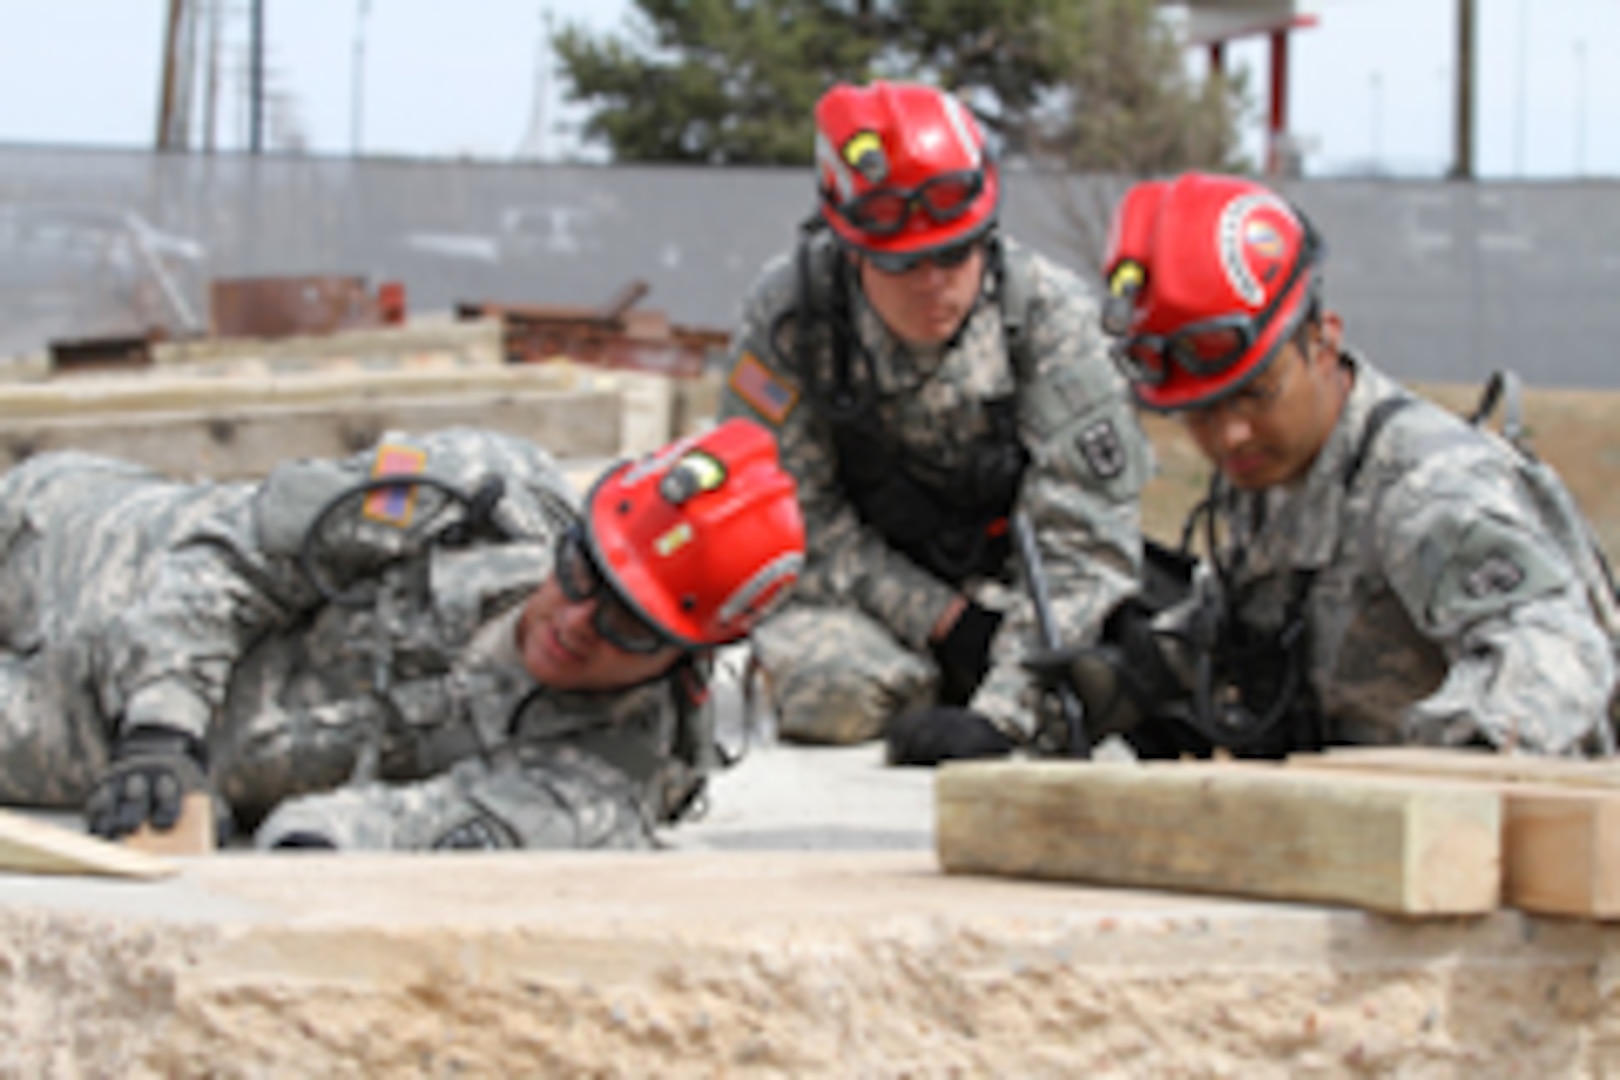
{"x":760,"y":593}
{"x":956,"y":113}
{"x":838,"y":171}
{"x":1239,"y":233}
{"x":674,"y":540}
{"x":864,"y":152}
{"x":1230,"y":236}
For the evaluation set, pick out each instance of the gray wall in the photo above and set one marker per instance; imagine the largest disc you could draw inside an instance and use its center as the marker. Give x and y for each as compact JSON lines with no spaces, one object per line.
{"x":1436,"y":281}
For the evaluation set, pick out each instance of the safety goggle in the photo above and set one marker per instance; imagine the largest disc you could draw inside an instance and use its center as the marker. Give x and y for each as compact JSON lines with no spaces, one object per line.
{"x":1211,"y":346}
{"x":581,"y":580}
{"x":903,"y":262}
{"x":885,"y":211}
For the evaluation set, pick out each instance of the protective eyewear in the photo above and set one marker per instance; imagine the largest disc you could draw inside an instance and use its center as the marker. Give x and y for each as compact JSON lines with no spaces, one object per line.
{"x":1210,"y":347}
{"x":903,"y":262}
{"x":580,"y":580}
{"x":885,"y":211}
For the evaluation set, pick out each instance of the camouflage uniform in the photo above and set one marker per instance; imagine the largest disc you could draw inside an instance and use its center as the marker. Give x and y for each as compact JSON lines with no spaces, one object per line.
{"x":133,"y":599}
{"x":1450,"y":603}
{"x":852,"y":648}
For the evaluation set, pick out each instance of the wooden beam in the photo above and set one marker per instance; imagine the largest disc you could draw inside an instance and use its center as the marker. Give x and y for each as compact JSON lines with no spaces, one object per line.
{"x":1241,"y":828}
{"x":36,"y":847}
{"x":1480,"y":765}
{"x":1561,"y":851}
{"x":1560,"y":818}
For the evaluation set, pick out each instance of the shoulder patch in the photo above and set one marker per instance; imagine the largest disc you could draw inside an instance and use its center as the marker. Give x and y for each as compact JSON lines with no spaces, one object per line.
{"x":1496,"y":574}
{"x":394,"y":505}
{"x":1103,"y":450}
{"x":762,"y":389}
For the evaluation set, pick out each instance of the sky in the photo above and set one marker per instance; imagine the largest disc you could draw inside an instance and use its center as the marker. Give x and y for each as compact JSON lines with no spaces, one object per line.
{"x":1371,"y":83}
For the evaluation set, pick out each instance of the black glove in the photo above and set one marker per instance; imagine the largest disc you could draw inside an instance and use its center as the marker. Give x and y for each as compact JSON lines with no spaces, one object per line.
{"x":152,"y":771}
{"x":963,"y":654}
{"x":1119,"y":681}
{"x":944,"y":733}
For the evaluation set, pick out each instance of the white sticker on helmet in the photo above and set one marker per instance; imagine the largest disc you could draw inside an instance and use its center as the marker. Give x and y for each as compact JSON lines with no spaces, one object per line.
{"x":754,"y":598}
{"x":1232,"y":239}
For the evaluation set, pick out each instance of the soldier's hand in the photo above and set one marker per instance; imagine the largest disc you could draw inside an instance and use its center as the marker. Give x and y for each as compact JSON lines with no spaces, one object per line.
{"x":1099,"y":677}
{"x":153,"y":769}
{"x":944,"y":733}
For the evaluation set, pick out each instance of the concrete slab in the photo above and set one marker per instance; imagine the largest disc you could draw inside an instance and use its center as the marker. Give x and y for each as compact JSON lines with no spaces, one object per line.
{"x":783,"y":963}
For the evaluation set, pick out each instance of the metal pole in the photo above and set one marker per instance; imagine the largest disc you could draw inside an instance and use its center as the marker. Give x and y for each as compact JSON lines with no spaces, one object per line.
{"x":1580,"y":107}
{"x":166,"y":91}
{"x":1462,"y":163}
{"x":211,"y":87}
{"x":358,"y":90}
{"x":256,"y":80}
{"x":1277,"y":131}
{"x":1524,"y":68}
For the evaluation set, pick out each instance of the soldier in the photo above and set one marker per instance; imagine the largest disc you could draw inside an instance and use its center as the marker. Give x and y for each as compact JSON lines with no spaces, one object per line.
{"x":433,"y":627}
{"x":1382,"y":571}
{"x":926,"y":377}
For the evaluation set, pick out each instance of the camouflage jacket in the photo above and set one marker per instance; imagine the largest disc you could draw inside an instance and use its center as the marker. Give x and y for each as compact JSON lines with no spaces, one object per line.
{"x":229,"y":635}
{"x":1088,"y":456}
{"x":1445,"y":604}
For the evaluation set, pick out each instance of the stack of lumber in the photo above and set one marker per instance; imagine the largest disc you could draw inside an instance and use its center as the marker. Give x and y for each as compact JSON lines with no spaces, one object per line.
{"x":1407,"y":831}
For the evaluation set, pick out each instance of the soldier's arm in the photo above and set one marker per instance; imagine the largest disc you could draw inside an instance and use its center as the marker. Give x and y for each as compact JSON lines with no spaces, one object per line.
{"x":1082,"y":491}
{"x":846,"y":561}
{"x":239,"y":577}
{"x":1529,"y":666}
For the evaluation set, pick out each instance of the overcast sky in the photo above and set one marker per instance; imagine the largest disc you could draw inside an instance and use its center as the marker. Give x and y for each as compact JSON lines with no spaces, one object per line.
{"x":1371,"y":83}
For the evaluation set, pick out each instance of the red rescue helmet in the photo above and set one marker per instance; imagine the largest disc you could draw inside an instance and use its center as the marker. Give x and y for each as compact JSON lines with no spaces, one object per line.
{"x":702,"y":538}
{"x":903,"y":169}
{"x":1208,"y":276}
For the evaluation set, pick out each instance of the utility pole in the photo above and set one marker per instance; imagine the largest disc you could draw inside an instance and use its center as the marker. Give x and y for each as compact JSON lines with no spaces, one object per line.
{"x":357,"y":90}
{"x":533,"y":145}
{"x":1462,"y":161}
{"x":256,"y":79}
{"x":211,"y":79}
{"x":168,"y":93}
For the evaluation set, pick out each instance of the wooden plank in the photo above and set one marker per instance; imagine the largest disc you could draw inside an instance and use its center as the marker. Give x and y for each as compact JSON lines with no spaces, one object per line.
{"x":1560,"y":819}
{"x":193,"y":834}
{"x":1243,"y":829}
{"x":36,"y":847}
{"x":1561,"y":851}
{"x":1467,"y":765}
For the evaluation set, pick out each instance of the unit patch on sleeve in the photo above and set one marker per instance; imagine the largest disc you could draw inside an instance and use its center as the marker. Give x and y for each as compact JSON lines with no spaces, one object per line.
{"x":394,"y":505}
{"x":1494,"y":575}
{"x":1104,"y":452}
{"x":767,"y":394}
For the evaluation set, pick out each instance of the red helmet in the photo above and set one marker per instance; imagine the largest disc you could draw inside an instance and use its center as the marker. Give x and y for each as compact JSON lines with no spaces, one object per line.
{"x":1207,"y":276}
{"x":903,"y":168}
{"x":702,"y":538}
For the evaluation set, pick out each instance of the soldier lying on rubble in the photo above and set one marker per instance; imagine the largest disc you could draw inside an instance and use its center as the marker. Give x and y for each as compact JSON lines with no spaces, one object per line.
{"x":1383,"y":571}
{"x":424,"y":646}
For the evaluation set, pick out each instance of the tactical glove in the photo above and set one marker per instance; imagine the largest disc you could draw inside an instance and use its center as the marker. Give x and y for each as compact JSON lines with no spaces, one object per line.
{"x":153,"y":769}
{"x":944,"y":733}
{"x":963,"y":654}
{"x":1120,"y":680}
